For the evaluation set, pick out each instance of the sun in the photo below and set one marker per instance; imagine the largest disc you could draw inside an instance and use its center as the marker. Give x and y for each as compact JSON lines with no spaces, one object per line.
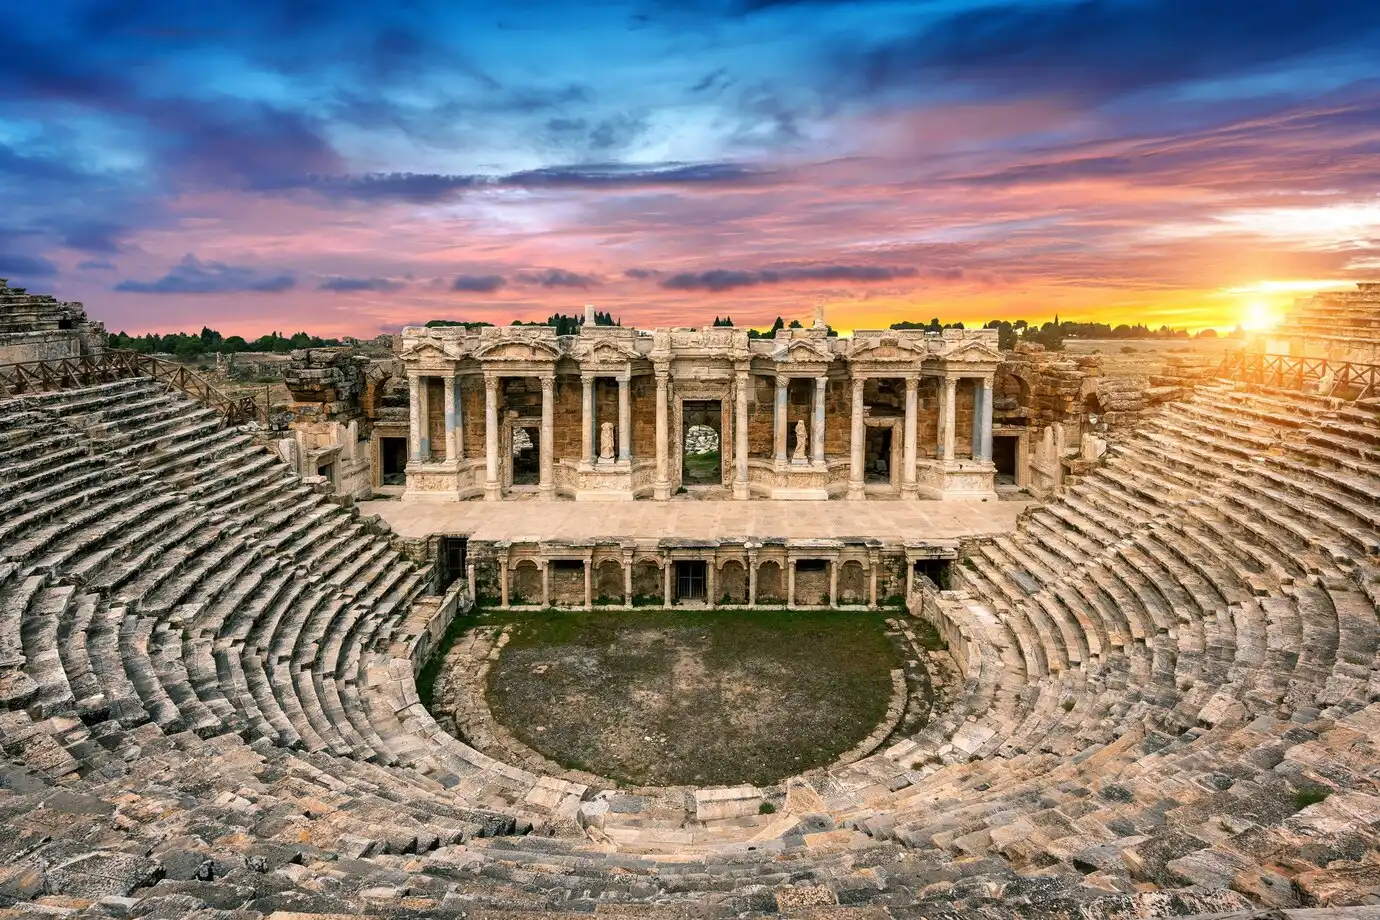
{"x":1257,"y":316}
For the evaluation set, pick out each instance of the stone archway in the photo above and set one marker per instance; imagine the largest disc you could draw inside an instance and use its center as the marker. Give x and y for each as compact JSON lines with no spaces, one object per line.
{"x":647,"y":584}
{"x":853,"y":583}
{"x":771,"y":586}
{"x":733,"y":584}
{"x":608,"y":582}
{"x":525,"y":583}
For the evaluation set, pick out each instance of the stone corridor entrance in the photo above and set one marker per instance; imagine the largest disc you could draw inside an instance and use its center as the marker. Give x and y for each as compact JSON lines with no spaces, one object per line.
{"x":526,"y":454}
{"x":702,"y":443}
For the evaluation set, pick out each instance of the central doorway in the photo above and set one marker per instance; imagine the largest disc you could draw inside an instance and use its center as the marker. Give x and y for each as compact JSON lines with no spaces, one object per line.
{"x":701,"y":443}
{"x":526,"y":455}
{"x":393,"y":456}
{"x":1004,"y":448}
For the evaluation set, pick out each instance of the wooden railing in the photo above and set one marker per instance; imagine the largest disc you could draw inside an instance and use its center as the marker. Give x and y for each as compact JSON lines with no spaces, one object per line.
{"x":1332,"y":378}
{"x":111,"y":365}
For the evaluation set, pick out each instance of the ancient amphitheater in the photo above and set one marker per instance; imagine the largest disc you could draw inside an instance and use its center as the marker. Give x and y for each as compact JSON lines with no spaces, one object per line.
{"x":1169,"y":668}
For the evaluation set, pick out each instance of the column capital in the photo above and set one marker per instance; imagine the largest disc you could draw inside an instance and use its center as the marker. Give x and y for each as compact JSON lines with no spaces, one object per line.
{"x":822,"y":381}
{"x":912,"y":382}
{"x":548,"y":382}
{"x":858,"y":383}
{"x":782,"y":381}
{"x":588,"y":377}
{"x":491,"y":383}
{"x":988,"y":379}
{"x":950,"y":382}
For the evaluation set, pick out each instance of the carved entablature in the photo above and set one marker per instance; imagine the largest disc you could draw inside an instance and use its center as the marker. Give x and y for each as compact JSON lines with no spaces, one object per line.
{"x":715,"y":341}
{"x":969,"y":354}
{"x":518,"y":349}
{"x":801,"y":357}
{"x":605,"y":350}
{"x":886,"y":353}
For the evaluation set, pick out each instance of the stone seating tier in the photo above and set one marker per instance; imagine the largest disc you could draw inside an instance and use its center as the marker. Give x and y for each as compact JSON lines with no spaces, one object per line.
{"x":1169,"y":699}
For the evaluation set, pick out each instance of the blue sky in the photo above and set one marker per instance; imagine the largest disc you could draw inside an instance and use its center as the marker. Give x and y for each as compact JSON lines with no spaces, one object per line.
{"x":348,"y":168}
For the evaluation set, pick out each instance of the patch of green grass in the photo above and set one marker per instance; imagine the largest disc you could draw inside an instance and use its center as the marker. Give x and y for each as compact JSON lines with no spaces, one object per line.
{"x":684,"y":696}
{"x":766,"y":808}
{"x":698,"y":469}
{"x":426,"y":678}
{"x":929,"y":637}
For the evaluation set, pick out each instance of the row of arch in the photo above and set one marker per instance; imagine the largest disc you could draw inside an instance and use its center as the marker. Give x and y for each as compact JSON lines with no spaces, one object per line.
{"x":563,"y":583}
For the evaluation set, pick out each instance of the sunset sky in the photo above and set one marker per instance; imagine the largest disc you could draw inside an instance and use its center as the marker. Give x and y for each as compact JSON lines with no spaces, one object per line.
{"x":349,"y":168}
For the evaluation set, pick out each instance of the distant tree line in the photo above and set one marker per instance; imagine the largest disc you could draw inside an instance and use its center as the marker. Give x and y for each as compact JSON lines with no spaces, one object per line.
{"x":209,"y":341}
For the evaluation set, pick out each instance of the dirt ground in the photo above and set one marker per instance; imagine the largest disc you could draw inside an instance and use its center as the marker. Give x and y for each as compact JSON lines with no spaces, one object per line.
{"x":657,"y":697}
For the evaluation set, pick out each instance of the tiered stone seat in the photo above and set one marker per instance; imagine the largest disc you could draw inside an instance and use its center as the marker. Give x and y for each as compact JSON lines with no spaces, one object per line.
{"x":207,"y":667}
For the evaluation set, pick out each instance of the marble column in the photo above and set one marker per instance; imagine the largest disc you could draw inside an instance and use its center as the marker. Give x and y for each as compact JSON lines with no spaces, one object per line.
{"x":414,"y":419}
{"x":909,"y":487}
{"x":493,"y":489}
{"x":941,"y":421}
{"x":977,"y":419}
{"x":872,"y":588}
{"x":740,"y":441}
{"x":817,"y":435}
{"x":833,"y":582}
{"x":950,"y":415}
{"x":546,"y":480}
{"x":624,"y":420}
{"x":857,"y":436}
{"x":752,"y":581}
{"x":502,"y":582}
{"x":780,"y":419}
{"x":588,"y":437}
{"x":452,"y":421}
{"x":627,"y":580}
{"x":711,"y":582}
{"x":790,"y":583}
{"x":910,"y":579}
{"x":666,"y":571}
{"x":546,"y":583}
{"x":661,"y":486}
{"x":424,"y":419}
{"x":986,"y":453}
{"x":589,"y":583}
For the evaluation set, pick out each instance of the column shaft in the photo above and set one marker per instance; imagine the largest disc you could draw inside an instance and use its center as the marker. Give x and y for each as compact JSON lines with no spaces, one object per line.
{"x":624,"y":420}
{"x":627,"y":580}
{"x":872,"y":588}
{"x":546,"y":484}
{"x":740,"y":442}
{"x":833,"y":582}
{"x":710,"y":582}
{"x":424,"y":419}
{"x":950,"y":415}
{"x":661,"y":488}
{"x":857,"y":434}
{"x":414,"y":419}
{"x":450,"y":419}
{"x":503,"y":582}
{"x":790,"y":582}
{"x":780,"y":419}
{"x":912,"y":407}
{"x":546,"y":583}
{"x":987,"y":419}
{"x":752,"y":582}
{"x":666,"y":582}
{"x":588,"y":438}
{"x":492,"y":488}
{"x":589,"y":584}
{"x":817,"y":436}
{"x":977,"y":419}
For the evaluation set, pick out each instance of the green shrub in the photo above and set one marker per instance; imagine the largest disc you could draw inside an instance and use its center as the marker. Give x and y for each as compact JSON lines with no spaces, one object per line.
{"x":766,"y":808}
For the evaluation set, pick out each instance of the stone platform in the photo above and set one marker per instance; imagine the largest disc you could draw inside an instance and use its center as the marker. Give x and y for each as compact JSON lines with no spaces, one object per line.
{"x":893,"y":522}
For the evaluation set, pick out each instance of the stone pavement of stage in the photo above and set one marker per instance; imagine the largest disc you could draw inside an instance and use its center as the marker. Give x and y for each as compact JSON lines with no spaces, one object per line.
{"x":891,"y":521}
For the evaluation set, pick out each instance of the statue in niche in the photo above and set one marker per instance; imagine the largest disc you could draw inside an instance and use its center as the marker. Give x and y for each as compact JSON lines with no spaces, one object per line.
{"x":802,"y":444}
{"x":606,"y":441}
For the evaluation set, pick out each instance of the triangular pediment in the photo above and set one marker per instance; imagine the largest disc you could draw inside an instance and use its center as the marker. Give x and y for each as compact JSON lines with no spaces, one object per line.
{"x":605,"y":353}
{"x":888,"y":348}
{"x":425,"y":348}
{"x":972,"y":350}
{"x":801,"y":351}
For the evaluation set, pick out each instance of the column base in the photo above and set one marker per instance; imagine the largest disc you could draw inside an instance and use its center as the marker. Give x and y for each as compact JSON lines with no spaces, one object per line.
{"x":856,"y":492}
{"x":741,"y":491}
{"x":910,"y":491}
{"x":492,"y":492}
{"x":545,"y":493}
{"x":661,"y":491}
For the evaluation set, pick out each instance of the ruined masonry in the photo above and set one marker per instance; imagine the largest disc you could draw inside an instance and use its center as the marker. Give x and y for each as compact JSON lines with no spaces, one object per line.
{"x":1171,"y":669}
